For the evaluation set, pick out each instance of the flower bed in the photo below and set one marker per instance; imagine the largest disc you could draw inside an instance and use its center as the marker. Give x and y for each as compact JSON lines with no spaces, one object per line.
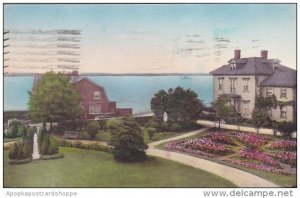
{"x":205,"y":144}
{"x":259,"y":156}
{"x":200,"y":144}
{"x":178,"y":146}
{"x":251,"y":139}
{"x":284,"y":144}
{"x":222,"y":138}
{"x":218,"y":145}
{"x":287,"y":157}
{"x":261,"y":167}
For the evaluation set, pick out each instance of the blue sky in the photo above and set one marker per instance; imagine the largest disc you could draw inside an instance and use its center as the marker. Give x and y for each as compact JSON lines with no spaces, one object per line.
{"x":161,"y":37}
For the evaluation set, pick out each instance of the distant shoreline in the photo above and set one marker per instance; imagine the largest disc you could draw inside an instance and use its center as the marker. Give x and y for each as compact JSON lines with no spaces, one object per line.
{"x":121,"y":74}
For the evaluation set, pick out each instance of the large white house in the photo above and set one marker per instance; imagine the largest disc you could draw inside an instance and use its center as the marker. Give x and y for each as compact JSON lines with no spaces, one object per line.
{"x":244,"y":79}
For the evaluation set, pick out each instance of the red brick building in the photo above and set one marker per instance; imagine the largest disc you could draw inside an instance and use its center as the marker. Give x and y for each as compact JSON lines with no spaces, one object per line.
{"x":94,"y":99}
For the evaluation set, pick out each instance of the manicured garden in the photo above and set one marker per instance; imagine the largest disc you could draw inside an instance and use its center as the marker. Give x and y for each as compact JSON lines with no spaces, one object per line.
{"x":270,"y":157}
{"x":86,"y":168}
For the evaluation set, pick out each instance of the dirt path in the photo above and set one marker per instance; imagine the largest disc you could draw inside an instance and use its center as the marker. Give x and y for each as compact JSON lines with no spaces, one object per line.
{"x":236,"y":176}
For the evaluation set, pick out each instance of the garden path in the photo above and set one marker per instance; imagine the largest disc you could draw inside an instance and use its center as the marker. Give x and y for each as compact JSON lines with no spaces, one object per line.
{"x":236,"y":176}
{"x":242,"y":128}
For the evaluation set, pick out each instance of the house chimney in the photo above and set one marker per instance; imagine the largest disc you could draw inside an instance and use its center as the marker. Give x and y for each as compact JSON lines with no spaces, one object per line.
{"x":237,"y":54}
{"x":264,"y":54}
{"x":74,"y":73}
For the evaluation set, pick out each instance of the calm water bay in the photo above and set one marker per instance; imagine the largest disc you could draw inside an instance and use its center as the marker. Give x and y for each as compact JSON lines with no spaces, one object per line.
{"x":127,"y":91}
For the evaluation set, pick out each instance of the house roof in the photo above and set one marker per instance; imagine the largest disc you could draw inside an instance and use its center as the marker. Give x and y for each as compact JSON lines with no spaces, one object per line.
{"x":73,"y":79}
{"x":246,"y":66}
{"x":282,"y":77}
{"x":76,"y":79}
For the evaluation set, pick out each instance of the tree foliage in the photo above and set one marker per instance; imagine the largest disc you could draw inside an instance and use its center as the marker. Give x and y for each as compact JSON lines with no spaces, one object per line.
{"x":259,"y":118}
{"x":55,"y":99}
{"x":224,"y":109}
{"x":129,"y":145}
{"x":287,"y":128}
{"x":182,"y":106}
{"x":92,"y":129}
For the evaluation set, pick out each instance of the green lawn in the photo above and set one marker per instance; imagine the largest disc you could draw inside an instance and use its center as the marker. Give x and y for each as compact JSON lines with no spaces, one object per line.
{"x":12,"y":139}
{"x":83,"y":168}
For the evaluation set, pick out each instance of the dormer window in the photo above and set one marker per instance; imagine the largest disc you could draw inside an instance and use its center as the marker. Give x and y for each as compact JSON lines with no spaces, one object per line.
{"x":233,"y":66}
{"x":275,"y":66}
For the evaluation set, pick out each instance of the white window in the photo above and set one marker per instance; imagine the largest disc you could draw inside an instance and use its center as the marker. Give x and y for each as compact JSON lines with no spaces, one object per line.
{"x":232,"y":66}
{"x":97,"y":95}
{"x":220,"y":83}
{"x":232,"y":84}
{"x":269,"y":92}
{"x":95,"y":109}
{"x":282,"y":93}
{"x":283,"y":112}
{"x":246,"y":84}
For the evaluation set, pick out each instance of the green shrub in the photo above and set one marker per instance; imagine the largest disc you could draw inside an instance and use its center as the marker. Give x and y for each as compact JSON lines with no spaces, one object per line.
{"x":130,"y":147}
{"x":54,"y":156}
{"x":175,"y":127}
{"x":83,"y":136}
{"x":21,"y":161}
{"x":20,"y":150}
{"x":151,"y":132}
{"x":153,"y":124}
{"x":26,"y":151}
{"x":13,"y":151}
{"x":92,"y":129}
{"x":94,"y":146}
{"x":44,"y":144}
{"x":48,"y":145}
{"x":22,"y":129}
{"x":52,"y":147}
{"x":12,"y":132}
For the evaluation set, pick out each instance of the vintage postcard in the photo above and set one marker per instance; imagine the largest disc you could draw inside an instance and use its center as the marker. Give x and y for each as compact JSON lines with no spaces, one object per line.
{"x":150,"y":95}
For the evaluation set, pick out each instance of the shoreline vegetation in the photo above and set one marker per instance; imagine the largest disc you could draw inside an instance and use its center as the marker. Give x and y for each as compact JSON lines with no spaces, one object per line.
{"x":120,"y":74}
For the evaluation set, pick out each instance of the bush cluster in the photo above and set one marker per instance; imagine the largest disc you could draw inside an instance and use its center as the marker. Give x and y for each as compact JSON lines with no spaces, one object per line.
{"x":54,"y":156}
{"x":92,"y":129}
{"x":47,"y":144}
{"x":18,"y":129}
{"x":22,"y":161}
{"x":93,"y":146}
{"x":20,"y":150}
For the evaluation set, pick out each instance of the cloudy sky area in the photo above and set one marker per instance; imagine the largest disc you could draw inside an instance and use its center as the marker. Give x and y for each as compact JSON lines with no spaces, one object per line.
{"x":157,"y":38}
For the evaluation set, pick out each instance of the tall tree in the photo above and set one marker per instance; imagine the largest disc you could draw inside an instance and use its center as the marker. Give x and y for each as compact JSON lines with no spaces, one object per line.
{"x":182,"y":106}
{"x":224,"y":109}
{"x":55,"y":100}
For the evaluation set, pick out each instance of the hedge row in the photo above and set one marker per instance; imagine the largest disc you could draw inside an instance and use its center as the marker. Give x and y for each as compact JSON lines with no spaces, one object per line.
{"x":21,"y":161}
{"x":54,"y":156}
{"x":93,"y":146}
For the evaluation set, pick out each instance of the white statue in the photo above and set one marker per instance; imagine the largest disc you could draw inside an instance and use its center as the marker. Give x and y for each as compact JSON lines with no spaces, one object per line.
{"x":35,"y":153}
{"x":165,"y":117}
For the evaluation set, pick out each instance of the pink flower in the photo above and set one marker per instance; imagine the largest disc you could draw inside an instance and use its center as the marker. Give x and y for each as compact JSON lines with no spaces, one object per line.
{"x":259,"y":156}
{"x":285,"y":145}
{"x":251,"y":139}
{"x":221,"y":137}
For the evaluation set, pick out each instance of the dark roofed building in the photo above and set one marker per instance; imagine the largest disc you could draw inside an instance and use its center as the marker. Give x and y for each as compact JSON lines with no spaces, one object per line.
{"x":244,"y":79}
